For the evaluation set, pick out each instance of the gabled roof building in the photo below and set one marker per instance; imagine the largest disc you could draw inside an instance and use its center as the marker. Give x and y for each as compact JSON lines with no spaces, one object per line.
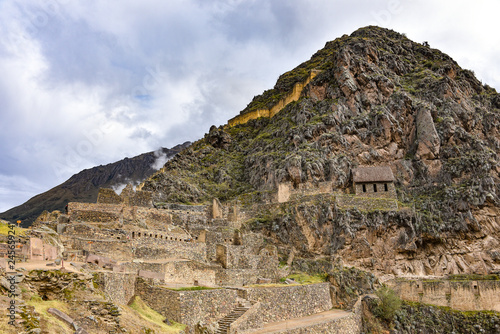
{"x":374,"y":182}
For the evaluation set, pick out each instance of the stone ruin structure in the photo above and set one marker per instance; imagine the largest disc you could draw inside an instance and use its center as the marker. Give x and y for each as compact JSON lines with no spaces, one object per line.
{"x":178,"y":244}
{"x":135,"y":248}
{"x":373,"y":189}
{"x":128,"y":197}
{"x":374,"y":182}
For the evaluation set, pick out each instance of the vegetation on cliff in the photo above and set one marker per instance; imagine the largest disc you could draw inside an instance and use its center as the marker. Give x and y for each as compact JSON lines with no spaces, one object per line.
{"x":387,"y":313}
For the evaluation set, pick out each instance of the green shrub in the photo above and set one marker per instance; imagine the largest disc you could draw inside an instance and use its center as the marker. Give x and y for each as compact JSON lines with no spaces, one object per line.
{"x":388,"y":304}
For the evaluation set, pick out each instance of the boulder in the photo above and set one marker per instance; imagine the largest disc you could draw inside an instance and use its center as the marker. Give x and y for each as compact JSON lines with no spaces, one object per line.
{"x":428,"y":143}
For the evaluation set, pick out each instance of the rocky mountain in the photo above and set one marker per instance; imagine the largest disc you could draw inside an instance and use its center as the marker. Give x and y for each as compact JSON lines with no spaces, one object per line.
{"x":84,"y":186}
{"x":374,"y":98}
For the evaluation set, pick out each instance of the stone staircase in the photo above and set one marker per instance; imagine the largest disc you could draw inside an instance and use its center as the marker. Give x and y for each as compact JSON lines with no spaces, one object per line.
{"x":225,"y":322}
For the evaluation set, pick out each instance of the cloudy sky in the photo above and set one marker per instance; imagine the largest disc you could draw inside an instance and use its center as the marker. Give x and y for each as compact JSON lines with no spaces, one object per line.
{"x":85,"y":83}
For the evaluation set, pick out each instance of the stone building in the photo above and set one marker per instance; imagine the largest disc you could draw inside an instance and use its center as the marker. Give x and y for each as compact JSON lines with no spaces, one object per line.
{"x":128,"y":197}
{"x":374,"y":182}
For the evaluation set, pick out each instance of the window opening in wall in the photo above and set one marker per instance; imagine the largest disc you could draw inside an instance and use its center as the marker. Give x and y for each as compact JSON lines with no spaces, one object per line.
{"x":156,"y":236}
{"x":364,"y":188}
{"x":133,"y":235}
{"x":385,"y":187}
{"x":374,"y":187}
{"x":151,"y":235}
{"x":139,"y":235}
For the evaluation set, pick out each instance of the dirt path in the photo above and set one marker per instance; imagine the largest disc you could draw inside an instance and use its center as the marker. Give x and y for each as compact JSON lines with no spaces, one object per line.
{"x":39,"y":264}
{"x":302,"y":322}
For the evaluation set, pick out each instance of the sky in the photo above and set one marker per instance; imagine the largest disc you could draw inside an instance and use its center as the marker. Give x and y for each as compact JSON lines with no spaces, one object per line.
{"x":85,"y":83}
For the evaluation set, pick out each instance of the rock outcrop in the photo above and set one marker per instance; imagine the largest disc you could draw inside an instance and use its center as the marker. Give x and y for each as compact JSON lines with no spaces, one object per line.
{"x":377,"y":99}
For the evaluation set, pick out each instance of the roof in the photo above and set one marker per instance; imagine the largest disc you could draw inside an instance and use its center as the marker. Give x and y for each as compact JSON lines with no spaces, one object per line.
{"x":372,"y":174}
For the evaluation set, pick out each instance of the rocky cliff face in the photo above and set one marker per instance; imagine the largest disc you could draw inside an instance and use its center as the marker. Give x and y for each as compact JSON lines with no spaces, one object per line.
{"x":84,"y":186}
{"x":379,"y":99}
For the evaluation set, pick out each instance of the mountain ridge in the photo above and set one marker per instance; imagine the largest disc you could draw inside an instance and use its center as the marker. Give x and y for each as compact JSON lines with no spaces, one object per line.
{"x":84,"y":186}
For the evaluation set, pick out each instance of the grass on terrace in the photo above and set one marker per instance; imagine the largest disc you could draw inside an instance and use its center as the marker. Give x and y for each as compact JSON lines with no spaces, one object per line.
{"x":4,"y":229}
{"x":151,"y":315}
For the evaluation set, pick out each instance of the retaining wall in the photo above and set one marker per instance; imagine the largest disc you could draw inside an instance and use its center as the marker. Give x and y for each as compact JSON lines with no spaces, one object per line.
{"x":188,"y":307}
{"x":120,"y":287}
{"x":460,"y":295}
{"x":366,"y":203}
{"x":288,"y":302}
{"x":350,"y":324}
{"x":106,"y":213}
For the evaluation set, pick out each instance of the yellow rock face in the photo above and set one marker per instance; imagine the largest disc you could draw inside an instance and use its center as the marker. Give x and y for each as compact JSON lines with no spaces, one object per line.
{"x":293,"y":96}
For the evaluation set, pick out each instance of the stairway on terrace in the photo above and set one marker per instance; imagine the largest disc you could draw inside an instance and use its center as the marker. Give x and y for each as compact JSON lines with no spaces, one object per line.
{"x":225,"y":323}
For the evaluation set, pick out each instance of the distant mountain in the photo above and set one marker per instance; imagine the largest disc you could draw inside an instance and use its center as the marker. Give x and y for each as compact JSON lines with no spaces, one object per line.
{"x":84,"y":186}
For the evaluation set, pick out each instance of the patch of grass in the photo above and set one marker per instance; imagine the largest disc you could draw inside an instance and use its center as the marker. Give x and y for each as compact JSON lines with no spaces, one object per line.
{"x":192,"y":288}
{"x":303,"y":278}
{"x":473,"y":277}
{"x":53,"y":324}
{"x":151,"y":315}
{"x":4,"y":229}
{"x":271,"y":285}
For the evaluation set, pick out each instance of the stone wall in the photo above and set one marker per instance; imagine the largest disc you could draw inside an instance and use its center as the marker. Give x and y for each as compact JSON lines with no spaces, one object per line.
{"x":350,"y":324}
{"x":187,"y":215}
{"x":94,"y":232}
{"x":214,"y":238}
{"x":107,"y":213}
{"x":119,"y":286}
{"x":206,"y":306}
{"x":365,"y":203}
{"x":128,"y":197}
{"x":164,"y":301}
{"x":115,"y":249}
{"x":242,"y":277}
{"x":246,"y":257}
{"x":383,"y":189}
{"x":158,"y":237}
{"x":108,"y":196}
{"x":170,"y":249}
{"x":190,"y":272}
{"x":150,"y":247}
{"x":188,"y":307}
{"x":38,"y":250}
{"x":460,"y":295}
{"x":287,"y":302}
